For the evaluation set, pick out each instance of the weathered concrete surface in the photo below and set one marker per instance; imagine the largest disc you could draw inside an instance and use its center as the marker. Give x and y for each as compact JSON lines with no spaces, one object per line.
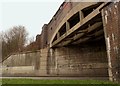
{"x":26,"y":64}
{"x":22,"y":59}
{"x":42,"y":70}
{"x":111,"y":19}
{"x":18,"y":71}
{"x":65,"y":61}
{"x":85,"y":60}
{"x":21,"y":64}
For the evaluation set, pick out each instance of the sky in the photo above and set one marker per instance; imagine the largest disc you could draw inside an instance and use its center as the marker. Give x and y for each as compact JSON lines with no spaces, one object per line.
{"x":32,"y":14}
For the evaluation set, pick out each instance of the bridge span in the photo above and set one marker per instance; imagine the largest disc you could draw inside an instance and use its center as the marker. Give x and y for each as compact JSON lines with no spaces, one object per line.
{"x":82,"y":39}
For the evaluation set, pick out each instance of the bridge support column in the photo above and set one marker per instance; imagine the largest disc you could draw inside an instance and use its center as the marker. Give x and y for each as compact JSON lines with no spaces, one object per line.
{"x":58,"y":35}
{"x":67,"y":26}
{"x":52,"y":67}
{"x":81,"y":15}
{"x":111,"y":22}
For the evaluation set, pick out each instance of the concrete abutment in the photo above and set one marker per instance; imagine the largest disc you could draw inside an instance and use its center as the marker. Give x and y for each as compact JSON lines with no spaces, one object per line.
{"x":111,"y":22}
{"x":88,"y":60}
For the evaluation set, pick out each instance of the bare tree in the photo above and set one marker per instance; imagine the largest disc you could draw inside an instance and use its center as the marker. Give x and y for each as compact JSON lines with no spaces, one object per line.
{"x":14,"y":40}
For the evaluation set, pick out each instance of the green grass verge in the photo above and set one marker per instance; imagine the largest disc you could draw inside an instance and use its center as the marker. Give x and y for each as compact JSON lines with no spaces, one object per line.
{"x":34,"y":81}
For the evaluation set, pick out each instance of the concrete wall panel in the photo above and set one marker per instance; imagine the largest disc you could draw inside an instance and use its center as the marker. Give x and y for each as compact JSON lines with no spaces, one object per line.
{"x":80,"y":61}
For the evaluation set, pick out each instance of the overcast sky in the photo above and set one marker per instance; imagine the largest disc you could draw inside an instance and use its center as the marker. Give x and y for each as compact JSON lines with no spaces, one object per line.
{"x":32,"y":14}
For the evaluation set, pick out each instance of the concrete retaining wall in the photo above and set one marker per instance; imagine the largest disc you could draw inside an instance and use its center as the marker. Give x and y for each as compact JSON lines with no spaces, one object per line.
{"x":21,"y":64}
{"x":22,"y":59}
{"x":26,"y":64}
{"x":18,"y":71}
{"x":86,"y":61}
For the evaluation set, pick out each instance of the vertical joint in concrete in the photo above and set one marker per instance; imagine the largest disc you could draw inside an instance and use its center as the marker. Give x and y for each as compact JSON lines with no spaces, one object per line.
{"x":58,"y":35}
{"x":67,"y":26}
{"x":81,"y":15}
{"x":52,"y":61}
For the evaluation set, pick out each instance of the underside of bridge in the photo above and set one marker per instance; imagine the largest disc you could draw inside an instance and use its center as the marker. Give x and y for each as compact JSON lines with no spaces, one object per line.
{"x":81,"y":27}
{"x":83,"y":51}
{"x":88,"y":59}
{"x":82,"y":45}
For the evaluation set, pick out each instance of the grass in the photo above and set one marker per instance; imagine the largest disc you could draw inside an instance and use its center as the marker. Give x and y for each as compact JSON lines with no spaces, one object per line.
{"x":34,"y":81}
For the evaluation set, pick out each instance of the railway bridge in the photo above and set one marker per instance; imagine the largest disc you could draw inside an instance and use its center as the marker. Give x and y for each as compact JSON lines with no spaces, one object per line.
{"x":82,"y":39}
